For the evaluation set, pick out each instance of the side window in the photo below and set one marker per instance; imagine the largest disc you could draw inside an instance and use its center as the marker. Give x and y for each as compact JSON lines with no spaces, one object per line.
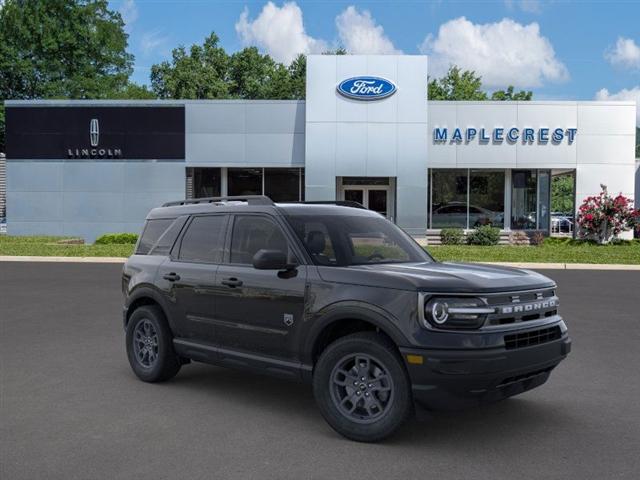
{"x":168,"y":238}
{"x":203,"y":240}
{"x":151,"y":233}
{"x":318,"y":242}
{"x":252,"y":233}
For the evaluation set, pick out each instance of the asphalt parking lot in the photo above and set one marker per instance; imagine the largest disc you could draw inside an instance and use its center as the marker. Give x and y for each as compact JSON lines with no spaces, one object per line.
{"x":72,"y":409}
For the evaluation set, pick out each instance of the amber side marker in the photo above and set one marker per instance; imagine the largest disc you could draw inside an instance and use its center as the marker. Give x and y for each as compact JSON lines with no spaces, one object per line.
{"x":415,"y":359}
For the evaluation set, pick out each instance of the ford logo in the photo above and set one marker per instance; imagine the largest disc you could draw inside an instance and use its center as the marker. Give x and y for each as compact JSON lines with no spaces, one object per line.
{"x":366,"y":88}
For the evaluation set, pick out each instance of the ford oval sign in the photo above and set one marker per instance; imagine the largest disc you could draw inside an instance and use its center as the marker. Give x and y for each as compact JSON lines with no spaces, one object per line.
{"x":366,"y":88}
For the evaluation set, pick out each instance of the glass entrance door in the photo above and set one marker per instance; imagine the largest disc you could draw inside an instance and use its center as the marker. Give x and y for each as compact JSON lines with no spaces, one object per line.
{"x":354,"y":195}
{"x":374,"y":193}
{"x":377,"y":201}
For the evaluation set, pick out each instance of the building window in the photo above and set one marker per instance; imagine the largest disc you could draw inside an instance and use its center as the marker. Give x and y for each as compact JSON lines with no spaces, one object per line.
{"x":244,"y":181}
{"x":463,"y":198}
{"x":486,"y":198}
{"x":282,"y":184}
{"x":524,"y":193}
{"x":279,"y":184}
{"x":206,"y":182}
{"x":449,"y":198}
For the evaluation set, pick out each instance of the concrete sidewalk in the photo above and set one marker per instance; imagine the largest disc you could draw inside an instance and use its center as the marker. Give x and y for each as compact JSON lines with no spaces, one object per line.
{"x":533,"y":266}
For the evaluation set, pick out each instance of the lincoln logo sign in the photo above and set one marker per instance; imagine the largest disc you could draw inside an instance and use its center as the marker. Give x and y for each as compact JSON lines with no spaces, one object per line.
{"x":511,"y":135}
{"x":366,"y":88}
{"x":94,"y":151}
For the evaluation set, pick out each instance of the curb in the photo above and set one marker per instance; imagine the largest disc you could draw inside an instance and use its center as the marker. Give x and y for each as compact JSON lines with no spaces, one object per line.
{"x":532,"y":266}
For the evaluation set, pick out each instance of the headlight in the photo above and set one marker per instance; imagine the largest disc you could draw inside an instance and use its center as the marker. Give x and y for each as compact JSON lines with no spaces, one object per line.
{"x":453,"y":312}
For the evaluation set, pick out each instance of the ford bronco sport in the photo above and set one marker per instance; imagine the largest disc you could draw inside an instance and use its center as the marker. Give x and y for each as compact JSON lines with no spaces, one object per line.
{"x":339,"y":297}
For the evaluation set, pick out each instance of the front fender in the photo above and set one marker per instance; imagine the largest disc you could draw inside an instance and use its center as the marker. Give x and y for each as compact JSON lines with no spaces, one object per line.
{"x":335,"y":312}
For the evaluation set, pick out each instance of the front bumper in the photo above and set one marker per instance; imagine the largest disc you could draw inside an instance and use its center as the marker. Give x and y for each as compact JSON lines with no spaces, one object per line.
{"x":452,"y":379}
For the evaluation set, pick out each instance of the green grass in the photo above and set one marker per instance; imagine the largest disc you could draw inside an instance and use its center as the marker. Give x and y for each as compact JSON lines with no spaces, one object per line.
{"x":551,"y":252}
{"x":581,"y":253}
{"x":46,"y":246}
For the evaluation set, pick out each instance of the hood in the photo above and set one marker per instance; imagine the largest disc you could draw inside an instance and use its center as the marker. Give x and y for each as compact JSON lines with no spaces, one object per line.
{"x":438,"y":277}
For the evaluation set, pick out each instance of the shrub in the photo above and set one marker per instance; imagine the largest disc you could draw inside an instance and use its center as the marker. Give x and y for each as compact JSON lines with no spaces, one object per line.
{"x":451,"y":236}
{"x":484,"y":235}
{"x":117,"y":239}
{"x":603,"y":217}
{"x":537,"y":239}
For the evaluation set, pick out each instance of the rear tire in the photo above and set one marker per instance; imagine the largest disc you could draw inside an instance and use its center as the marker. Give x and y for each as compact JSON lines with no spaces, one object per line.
{"x":362,"y":388}
{"x":150,"y":345}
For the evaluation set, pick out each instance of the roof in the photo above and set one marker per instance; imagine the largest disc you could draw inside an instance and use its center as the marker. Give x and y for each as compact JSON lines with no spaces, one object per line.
{"x":257,"y":204}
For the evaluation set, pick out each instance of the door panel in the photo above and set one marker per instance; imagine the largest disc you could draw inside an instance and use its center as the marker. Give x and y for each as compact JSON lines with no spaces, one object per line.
{"x":257,"y":310}
{"x":188,"y":277}
{"x":260,"y":314}
{"x":190,"y":297}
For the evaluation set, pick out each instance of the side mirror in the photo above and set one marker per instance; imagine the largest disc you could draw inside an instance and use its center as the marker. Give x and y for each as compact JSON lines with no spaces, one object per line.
{"x":270,"y":260}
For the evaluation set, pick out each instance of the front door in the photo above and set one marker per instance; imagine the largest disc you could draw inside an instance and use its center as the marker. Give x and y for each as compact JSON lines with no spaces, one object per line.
{"x":376,"y":197}
{"x":257,"y":311}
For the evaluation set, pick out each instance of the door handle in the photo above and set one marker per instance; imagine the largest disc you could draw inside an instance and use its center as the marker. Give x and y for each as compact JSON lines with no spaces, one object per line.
{"x":232,"y":282}
{"x":172,"y":277}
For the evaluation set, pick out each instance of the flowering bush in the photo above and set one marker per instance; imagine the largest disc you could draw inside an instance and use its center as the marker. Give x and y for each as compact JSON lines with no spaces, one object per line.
{"x":604,"y":217}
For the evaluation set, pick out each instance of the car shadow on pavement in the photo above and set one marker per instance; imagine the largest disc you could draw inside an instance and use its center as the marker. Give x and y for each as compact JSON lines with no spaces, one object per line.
{"x":512,"y":420}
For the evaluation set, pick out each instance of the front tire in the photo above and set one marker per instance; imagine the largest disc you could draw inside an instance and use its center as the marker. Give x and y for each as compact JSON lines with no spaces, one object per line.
{"x":362,"y":387}
{"x":150,"y":345}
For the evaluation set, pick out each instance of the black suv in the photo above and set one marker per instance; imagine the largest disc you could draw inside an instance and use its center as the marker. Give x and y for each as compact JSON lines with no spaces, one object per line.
{"x":339,"y":297}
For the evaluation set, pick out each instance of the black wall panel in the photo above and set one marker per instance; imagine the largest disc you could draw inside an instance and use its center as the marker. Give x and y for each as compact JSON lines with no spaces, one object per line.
{"x":128,"y":132}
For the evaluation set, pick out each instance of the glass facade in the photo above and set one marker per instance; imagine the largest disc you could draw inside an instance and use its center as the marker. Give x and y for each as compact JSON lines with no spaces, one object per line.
{"x":464,"y":198}
{"x":469,"y":198}
{"x":449,"y":195}
{"x":279,"y":184}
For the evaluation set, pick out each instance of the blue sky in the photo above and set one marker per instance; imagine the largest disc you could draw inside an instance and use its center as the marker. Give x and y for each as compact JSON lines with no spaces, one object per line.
{"x":559,"y":49}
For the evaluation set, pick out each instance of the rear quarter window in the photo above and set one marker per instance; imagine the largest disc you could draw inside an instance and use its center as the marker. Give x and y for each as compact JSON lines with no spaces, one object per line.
{"x":153,"y":230}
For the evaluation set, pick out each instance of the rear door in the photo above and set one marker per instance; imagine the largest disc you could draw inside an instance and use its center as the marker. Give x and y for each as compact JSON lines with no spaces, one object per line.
{"x":258,"y":311}
{"x":188,"y":276}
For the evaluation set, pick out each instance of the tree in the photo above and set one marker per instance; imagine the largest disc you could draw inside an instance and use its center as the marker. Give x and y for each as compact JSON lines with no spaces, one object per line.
{"x":298,"y":74}
{"x":510,"y":95}
{"x":199,"y":74}
{"x":61,"y":49}
{"x":457,"y":85}
{"x":562,"y":193}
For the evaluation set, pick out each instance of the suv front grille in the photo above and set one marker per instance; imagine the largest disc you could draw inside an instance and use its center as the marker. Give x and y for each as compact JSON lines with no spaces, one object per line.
{"x":522,"y":306}
{"x":535,"y":337}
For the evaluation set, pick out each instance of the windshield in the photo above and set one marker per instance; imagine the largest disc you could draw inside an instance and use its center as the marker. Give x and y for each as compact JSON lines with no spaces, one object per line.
{"x":343,"y":240}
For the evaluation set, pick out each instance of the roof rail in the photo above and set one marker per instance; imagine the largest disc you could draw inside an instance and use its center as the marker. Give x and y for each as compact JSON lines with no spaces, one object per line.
{"x":250,"y":199}
{"x":339,"y":203}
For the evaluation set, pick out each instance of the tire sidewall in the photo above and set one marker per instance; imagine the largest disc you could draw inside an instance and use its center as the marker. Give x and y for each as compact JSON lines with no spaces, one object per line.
{"x":167,"y":360}
{"x":398,"y":411}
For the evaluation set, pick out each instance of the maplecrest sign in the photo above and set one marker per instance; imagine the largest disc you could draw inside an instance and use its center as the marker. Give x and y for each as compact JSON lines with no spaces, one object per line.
{"x":510,"y":135}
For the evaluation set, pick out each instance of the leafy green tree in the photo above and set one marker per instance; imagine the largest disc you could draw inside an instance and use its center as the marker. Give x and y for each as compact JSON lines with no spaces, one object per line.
{"x":199,"y":74}
{"x":562,"y":193}
{"x":457,"y":85}
{"x":510,"y":95}
{"x":61,"y":49}
{"x":298,"y":74}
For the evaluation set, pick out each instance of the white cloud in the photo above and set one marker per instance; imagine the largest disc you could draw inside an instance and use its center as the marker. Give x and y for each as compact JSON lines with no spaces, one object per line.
{"x":360,"y":34}
{"x":151,"y":41}
{"x":504,"y":53}
{"x":278,"y":31}
{"x":626,"y":53}
{"x":632,"y":94}
{"x":528,"y":6}
{"x":129,"y":12}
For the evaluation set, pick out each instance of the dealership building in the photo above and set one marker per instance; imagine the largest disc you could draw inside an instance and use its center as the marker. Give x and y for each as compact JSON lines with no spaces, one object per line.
{"x":366,"y":132}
